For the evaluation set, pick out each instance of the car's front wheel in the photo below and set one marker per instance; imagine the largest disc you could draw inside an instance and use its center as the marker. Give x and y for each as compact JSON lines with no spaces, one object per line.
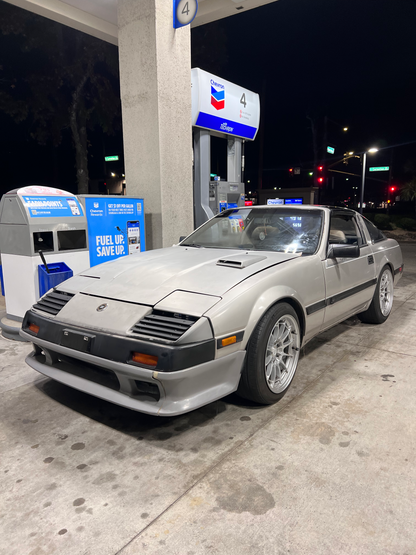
{"x":272,"y":356}
{"x":382,"y":303}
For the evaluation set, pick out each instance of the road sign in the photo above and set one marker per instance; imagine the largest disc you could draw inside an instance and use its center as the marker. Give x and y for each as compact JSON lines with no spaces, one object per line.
{"x":296,"y":171}
{"x":330,"y":149}
{"x":380,"y":169}
{"x":111,"y":158}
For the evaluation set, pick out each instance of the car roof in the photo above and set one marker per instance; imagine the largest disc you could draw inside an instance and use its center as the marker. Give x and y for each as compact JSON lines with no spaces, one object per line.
{"x":323,"y":207}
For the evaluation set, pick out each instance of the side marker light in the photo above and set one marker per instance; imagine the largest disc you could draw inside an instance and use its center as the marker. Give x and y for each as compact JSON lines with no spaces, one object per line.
{"x":229,"y":341}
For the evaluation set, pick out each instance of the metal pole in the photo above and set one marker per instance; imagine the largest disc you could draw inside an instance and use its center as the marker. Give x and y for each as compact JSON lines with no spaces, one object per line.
{"x":362,"y":183}
{"x":202,"y":164}
{"x":234,"y":160}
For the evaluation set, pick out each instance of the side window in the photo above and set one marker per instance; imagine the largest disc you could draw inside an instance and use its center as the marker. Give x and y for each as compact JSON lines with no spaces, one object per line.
{"x":345,"y":231}
{"x":375,"y":233}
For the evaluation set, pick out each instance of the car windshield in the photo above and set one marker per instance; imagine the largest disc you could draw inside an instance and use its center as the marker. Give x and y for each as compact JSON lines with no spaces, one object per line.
{"x":261,"y":229}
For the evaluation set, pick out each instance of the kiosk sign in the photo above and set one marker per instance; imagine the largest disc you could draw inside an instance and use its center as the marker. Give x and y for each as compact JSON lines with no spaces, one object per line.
{"x":48,"y":202}
{"x":224,"y":107}
{"x":52,"y":207}
{"x":115,"y":227}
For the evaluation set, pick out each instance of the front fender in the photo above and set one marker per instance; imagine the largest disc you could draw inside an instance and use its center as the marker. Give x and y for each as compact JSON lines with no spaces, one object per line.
{"x":300,"y":282}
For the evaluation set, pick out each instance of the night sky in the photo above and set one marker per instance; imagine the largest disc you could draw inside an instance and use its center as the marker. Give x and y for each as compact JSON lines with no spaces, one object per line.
{"x":353,"y":61}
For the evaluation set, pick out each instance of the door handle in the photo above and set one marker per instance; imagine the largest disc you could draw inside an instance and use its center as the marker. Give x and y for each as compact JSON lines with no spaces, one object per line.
{"x":370,"y":259}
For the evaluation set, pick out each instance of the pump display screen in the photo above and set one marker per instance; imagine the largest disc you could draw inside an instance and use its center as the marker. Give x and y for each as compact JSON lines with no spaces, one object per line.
{"x":52,"y":206}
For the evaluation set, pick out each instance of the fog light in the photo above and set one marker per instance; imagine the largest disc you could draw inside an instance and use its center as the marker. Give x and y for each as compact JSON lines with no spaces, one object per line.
{"x":229,"y":341}
{"x":34,"y":328}
{"x":141,"y":358}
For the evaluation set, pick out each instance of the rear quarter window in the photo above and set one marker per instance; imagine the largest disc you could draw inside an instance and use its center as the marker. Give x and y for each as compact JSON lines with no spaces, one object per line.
{"x":375,"y":234}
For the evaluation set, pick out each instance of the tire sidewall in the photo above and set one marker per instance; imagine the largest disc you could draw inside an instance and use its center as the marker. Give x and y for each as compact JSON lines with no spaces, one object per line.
{"x":256,"y":353}
{"x":377,"y":308}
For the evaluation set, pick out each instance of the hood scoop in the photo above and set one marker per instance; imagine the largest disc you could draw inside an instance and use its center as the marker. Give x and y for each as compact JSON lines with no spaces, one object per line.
{"x":240,"y":261}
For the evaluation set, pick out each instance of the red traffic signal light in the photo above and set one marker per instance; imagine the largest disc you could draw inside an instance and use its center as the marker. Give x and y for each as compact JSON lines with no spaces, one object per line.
{"x":320,"y":168}
{"x":320,"y":179}
{"x":291,"y":170}
{"x":392,"y":189}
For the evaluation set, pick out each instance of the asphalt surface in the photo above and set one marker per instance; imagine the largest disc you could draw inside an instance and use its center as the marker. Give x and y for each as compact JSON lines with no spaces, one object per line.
{"x":330,"y":469}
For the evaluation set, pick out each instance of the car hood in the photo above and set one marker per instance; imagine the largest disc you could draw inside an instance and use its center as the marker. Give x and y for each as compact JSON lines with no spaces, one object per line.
{"x":147,"y":278}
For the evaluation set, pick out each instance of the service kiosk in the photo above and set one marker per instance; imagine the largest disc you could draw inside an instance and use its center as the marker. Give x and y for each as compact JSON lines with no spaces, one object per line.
{"x":34,"y":222}
{"x":115,"y":226}
{"x":225,"y":110}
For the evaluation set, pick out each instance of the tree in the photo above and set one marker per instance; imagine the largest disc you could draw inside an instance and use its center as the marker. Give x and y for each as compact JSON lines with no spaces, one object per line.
{"x":408,"y":191}
{"x":57,"y":78}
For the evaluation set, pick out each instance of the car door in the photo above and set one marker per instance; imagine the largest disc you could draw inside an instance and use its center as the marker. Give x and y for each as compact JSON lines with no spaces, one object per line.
{"x":349,"y":282}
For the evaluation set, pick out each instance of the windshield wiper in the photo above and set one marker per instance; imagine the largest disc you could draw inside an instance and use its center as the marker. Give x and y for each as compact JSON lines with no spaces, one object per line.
{"x":191,"y":245}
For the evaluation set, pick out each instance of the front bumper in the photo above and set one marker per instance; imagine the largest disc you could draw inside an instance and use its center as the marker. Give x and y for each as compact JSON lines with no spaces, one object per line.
{"x":168,"y":394}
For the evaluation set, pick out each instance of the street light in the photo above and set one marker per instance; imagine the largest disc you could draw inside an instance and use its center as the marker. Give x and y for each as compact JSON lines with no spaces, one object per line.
{"x":370,"y":151}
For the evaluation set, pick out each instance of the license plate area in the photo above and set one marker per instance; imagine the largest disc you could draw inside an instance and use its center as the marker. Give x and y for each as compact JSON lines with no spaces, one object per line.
{"x":77,"y":340}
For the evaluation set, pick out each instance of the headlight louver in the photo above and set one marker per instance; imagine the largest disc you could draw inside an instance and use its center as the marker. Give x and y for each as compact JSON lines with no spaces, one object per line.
{"x":164,"y":325}
{"x":53,"y":302}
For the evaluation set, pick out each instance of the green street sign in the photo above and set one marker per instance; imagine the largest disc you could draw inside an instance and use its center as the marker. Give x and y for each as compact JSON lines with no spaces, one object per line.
{"x":213,"y":175}
{"x":330,"y":149}
{"x":111,"y":158}
{"x":380,"y":169}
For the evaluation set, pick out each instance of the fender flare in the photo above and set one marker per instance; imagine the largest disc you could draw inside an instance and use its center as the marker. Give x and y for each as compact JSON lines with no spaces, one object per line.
{"x":268,"y":299}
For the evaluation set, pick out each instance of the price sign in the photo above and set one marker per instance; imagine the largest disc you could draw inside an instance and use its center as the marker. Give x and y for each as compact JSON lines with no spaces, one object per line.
{"x":184,"y":12}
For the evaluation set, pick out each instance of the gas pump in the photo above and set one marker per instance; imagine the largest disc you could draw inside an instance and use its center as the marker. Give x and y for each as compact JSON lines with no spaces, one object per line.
{"x":224,"y":195}
{"x":225,"y":110}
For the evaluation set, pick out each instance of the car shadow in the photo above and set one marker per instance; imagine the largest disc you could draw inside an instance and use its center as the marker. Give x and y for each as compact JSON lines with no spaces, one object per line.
{"x":136,"y":424}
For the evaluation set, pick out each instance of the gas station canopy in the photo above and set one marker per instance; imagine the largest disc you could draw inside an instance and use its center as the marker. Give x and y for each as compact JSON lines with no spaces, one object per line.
{"x":99,"y":17}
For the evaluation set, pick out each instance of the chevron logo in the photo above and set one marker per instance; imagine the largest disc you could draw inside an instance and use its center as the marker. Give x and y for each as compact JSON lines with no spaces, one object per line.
{"x":217,"y":98}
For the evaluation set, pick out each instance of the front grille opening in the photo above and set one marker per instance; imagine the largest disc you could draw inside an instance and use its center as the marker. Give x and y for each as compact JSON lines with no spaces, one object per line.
{"x":168,"y":326}
{"x":53,"y":302}
{"x":90,"y":372}
{"x":149,"y":389}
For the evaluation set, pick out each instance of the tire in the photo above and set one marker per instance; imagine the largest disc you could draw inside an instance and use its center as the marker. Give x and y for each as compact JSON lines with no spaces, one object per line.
{"x":276,"y":341}
{"x":382,"y":303}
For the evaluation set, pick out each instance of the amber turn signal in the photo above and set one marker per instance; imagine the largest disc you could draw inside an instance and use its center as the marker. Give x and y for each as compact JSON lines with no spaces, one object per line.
{"x":34,"y":328}
{"x":229,"y":341}
{"x":141,"y":358}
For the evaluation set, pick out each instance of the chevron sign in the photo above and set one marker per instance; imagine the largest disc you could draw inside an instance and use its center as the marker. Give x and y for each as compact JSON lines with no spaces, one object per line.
{"x":218,"y":96}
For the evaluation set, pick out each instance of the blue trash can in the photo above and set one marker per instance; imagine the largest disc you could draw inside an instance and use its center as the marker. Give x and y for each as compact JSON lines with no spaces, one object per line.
{"x":1,"y":280}
{"x":58,"y":272}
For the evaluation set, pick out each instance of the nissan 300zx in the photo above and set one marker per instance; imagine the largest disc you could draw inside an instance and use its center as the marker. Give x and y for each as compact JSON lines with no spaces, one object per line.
{"x":227,"y":309}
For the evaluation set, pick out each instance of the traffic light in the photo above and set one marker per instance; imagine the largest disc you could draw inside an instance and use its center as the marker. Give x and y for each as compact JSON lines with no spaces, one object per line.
{"x":392,"y":189}
{"x":320,"y":173}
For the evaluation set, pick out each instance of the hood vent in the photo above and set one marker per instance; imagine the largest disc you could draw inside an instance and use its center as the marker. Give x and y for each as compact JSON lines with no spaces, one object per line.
{"x":240,"y":260}
{"x":168,"y":326}
{"x":54,"y":302}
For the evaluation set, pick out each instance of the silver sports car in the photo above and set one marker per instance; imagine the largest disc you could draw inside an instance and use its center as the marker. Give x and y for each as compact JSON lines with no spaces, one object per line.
{"x":227,"y":309}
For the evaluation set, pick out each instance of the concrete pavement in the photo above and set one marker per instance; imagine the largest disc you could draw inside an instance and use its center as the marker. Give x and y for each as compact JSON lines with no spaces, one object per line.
{"x":330,"y":469}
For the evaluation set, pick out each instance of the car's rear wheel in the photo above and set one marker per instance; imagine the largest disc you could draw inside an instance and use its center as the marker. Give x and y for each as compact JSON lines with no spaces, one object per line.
{"x":382,"y":303}
{"x":272,"y":356}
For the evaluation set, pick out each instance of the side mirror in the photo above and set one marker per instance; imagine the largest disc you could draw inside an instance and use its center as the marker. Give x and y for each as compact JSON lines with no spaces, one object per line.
{"x":181,"y":238}
{"x":343,"y":251}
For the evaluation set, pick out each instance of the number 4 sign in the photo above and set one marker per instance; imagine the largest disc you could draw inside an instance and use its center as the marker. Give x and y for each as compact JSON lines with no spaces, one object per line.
{"x":184,"y":12}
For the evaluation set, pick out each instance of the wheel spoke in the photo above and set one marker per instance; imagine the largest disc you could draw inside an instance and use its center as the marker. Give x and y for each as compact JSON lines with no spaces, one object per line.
{"x":282,"y":353}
